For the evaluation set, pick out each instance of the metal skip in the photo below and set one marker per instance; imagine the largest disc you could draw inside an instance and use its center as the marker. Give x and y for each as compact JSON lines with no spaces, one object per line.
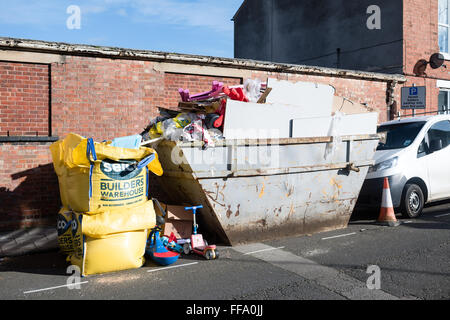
{"x":259,"y":189}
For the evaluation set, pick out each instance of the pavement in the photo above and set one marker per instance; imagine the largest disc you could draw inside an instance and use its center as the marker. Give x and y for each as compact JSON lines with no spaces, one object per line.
{"x":411,"y":262}
{"x":28,"y":241}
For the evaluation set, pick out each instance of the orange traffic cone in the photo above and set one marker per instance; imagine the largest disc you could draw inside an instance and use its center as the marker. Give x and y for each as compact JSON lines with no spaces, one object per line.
{"x":387,"y":214}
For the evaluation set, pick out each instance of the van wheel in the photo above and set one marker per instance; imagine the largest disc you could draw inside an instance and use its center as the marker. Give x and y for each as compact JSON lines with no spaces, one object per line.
{"x":413,"y":201}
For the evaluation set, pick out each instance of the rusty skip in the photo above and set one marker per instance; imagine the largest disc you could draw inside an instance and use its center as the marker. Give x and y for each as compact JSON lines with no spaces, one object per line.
{"x":280,"y":190}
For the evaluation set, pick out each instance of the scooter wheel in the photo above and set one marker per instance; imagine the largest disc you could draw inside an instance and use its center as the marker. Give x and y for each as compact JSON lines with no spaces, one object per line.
{"x":186,"y":248}
{"x":211,"y":254}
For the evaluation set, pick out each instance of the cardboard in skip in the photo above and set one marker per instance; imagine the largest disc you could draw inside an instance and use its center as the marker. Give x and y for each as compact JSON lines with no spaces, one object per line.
{"x":298,"y":110}
{"x":352,"y":124}
{"x":177,"y":220}
{"x":347,"y":106}
{"x":309,"y":94}
{"x":286,"y":101}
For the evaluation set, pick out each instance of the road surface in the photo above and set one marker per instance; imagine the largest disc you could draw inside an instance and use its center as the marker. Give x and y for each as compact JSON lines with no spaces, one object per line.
{"x":363,"y":261}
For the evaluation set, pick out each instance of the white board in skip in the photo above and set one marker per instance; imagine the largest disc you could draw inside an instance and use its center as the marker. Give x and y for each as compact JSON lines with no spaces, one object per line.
{"x":314,"y":95}
{"x":245,"y":120}
{"x":352,"y":124}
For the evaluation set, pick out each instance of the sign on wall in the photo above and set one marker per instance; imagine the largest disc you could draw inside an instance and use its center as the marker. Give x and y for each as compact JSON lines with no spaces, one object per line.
{"x":413,"y":97}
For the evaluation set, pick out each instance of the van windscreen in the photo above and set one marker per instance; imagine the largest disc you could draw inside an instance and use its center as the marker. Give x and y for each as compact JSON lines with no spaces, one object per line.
{"x":399,"y":135}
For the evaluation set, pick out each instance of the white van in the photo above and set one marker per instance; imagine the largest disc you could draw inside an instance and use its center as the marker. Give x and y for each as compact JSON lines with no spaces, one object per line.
{"x":414,"y":154}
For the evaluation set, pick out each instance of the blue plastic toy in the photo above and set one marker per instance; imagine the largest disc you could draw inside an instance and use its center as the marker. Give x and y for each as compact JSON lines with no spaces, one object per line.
{"x":157,"y":250}
{"x":171,"y":243}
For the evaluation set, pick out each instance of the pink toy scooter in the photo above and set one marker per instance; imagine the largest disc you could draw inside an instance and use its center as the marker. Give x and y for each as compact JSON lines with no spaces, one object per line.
{"x":198,"y":245}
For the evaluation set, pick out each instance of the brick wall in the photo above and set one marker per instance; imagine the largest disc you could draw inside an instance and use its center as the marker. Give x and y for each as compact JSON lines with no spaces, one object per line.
{"x":24,"y":99}
{"x":104,"y":98}
{"x":371,"y":93}
{"x":195,"y":84}
{"x":420,"y":34}
{"x":101,"y":98}
{"x":29,"y":194}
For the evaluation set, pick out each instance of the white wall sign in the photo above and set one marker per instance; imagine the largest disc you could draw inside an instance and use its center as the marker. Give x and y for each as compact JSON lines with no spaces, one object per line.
{"x":413,"y":97}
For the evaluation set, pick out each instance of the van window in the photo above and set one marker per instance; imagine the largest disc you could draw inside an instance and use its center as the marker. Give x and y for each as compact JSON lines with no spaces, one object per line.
{"x":437,"y":138}
{"x":399,"y":135}
{"x":423,"y":148}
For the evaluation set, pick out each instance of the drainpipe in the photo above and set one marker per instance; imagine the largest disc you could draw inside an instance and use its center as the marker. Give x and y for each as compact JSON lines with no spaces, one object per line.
{"x":391,"y":104}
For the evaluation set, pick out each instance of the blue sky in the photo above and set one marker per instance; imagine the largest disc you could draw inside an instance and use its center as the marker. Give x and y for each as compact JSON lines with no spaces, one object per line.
{"x":184,"y":26}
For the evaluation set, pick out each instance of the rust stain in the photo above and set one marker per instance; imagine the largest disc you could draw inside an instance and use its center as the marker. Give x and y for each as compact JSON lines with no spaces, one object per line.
{"x":229,"y":212}
{"x":221,"y":193}
{"x":263,"y":222}
{"x":338,"y":186}
{"x":208,"y":194}
{"x":237,"y":211}
{"x":279,"y":211}
{"x":290,"y":190}
{"x":335,"y":183}
{"x":291,"y":211}
{"x":262,"y":191}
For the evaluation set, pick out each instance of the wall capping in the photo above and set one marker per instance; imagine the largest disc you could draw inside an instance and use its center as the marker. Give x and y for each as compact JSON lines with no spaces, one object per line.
{"x":30,"y":57}
{"x":13,"y":139}
{"x":121,"y":53}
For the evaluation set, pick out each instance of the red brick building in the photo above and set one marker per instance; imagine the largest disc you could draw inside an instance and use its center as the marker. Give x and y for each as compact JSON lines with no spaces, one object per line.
{"x":50,"y":89}
{"x":425,"y":31}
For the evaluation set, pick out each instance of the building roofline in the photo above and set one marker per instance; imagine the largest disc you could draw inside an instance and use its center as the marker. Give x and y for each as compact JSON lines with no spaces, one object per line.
{"x":239,"y":10}
{"x":134,"y":54}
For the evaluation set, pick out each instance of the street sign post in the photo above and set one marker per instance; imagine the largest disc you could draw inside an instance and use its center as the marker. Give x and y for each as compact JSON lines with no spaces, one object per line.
{"x":413,"y":98}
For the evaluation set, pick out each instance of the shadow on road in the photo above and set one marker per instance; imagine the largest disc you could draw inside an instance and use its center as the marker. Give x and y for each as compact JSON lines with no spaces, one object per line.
{"x":47,"y":263}
{"x":369,"y":215}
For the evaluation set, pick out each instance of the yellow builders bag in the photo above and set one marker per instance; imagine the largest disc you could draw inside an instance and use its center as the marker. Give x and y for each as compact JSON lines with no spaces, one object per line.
{"x":96,"y":176}
{"x":63,"y":226}
{"x":112,"y":240}
{"x":113,"y":252}
{"x":61,"y":150}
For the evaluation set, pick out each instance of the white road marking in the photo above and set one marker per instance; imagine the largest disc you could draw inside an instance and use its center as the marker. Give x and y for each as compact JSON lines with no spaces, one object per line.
{"x":330,"y":278}
{"x":171,"y":267}
{"x":74,"y":284}
{"x":262,"y":250}
{"x":339,"y":236}
{"x":316,"y":252}
{"x":443,"y":215}
{"x":57,"y":287}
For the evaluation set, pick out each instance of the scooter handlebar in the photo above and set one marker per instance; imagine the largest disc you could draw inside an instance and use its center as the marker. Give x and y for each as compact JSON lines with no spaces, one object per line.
{"x":193,"y":208}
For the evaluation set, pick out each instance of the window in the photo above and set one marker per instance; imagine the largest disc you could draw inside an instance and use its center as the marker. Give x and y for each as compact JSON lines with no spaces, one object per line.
{"x":439,"y":135}
{"x":443,"y":101}
{"x":399,"y":135}
{"x":443,"y":25}
{"x":437,"y":138}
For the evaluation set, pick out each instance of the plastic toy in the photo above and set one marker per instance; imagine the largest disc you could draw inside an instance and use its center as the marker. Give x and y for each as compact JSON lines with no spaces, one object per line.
{"x":171,"y":243}
{"x":197,"y":244}
{"x":158,"y":251}
{"x":156,"y":248}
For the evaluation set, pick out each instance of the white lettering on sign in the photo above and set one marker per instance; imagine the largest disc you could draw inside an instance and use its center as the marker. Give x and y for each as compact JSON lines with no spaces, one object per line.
{"x":413,"y":97}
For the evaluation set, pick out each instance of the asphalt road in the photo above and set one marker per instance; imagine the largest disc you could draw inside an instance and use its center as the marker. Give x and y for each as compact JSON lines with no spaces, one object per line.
{"x":412,"y":261}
